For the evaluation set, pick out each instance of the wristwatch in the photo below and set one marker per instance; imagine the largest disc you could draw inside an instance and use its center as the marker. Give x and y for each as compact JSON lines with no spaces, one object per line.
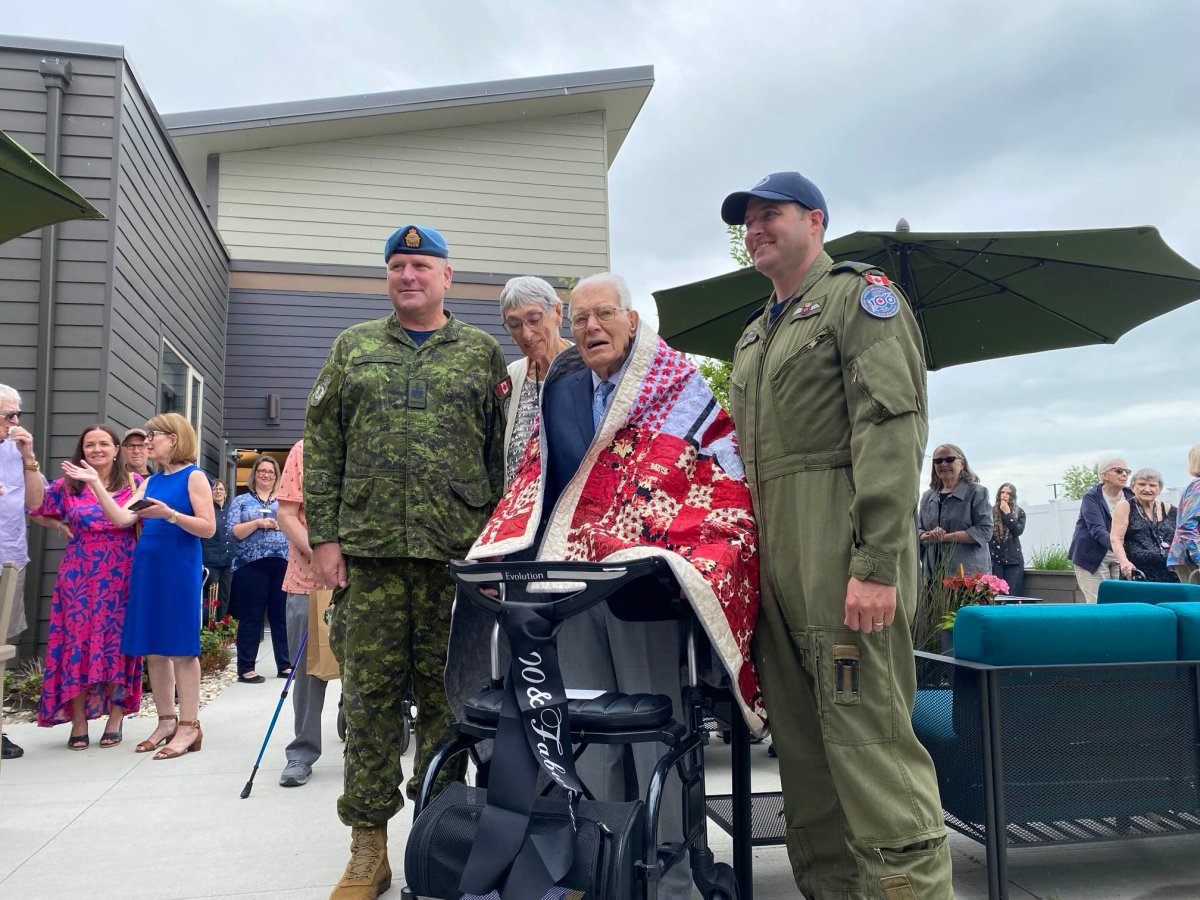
{"x":173,"y":518}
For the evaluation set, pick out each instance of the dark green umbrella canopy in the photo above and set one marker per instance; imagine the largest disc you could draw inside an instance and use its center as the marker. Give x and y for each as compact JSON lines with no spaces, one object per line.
{"x":31,"y":196}
{"x":976,"y":296}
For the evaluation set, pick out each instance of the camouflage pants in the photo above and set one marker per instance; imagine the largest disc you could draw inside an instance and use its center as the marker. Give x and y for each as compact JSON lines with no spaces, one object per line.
{"x":391,"y":625}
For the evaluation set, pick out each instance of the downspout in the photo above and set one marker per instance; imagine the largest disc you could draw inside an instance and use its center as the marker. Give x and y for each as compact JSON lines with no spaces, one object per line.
{"x":56,"y":75}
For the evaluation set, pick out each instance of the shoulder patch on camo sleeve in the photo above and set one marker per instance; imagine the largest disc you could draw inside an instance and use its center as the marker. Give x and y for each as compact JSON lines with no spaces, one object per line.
{"x":879,"y":301}
{"x":504,"y":388}
{"x":319,"y":390}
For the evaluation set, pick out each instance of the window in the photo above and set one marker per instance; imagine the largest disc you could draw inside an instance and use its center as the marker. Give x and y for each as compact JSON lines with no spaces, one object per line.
{"x":181,"y":387}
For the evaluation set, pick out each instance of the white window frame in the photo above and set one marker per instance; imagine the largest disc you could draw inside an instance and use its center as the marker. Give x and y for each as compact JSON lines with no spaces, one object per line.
{"x":193,"y":387}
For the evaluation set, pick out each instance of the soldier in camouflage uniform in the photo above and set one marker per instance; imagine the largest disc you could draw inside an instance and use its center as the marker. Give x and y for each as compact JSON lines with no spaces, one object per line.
{"x":404,"y":462}
{"x":828,"y":395}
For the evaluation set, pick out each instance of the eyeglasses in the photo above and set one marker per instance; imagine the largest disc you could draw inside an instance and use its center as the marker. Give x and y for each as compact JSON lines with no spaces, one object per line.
{"x":151,"y":434}
{"x":1118,"y":470}
{"x":533,"y":320}
{"x":944,"y":460}
{"x":11,"y":416}
{"x":604,"y":315}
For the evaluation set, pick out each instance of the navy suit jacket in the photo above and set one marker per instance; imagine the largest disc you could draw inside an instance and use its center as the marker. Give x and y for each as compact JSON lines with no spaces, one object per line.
{"x":567,"y":430}
{"x":1093,"y":530}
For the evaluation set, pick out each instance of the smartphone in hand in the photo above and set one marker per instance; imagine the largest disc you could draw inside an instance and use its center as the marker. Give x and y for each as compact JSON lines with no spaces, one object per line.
{"x":140,"y":504}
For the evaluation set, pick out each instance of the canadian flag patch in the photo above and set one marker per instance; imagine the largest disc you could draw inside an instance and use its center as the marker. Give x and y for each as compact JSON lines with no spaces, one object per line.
{"x":877,"y":279}
{"x":504,"y":388}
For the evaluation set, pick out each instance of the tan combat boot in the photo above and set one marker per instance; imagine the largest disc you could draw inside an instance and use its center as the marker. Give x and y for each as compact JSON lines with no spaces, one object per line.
{"x":367,"y":874}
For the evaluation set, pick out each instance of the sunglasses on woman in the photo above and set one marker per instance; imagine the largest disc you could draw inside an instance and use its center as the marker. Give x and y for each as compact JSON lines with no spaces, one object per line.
{"x":944,"y":460}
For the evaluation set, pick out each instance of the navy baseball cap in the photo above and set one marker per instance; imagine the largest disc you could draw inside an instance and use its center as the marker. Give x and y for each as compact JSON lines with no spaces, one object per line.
{"x":416,"y":239}
{"x":777,"y":186}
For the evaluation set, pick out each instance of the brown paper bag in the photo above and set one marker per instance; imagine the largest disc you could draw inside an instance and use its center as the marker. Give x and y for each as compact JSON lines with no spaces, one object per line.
{"x":318,"y":656}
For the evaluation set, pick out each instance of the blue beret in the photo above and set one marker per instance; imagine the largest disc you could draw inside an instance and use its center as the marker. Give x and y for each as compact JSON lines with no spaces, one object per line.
{"x":777,"y":186}
{"x":416,"y":239}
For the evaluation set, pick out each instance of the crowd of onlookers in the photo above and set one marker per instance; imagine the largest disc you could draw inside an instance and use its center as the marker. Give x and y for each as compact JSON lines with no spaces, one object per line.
{"x":147,"y":533}
{"x":1123,"y":531}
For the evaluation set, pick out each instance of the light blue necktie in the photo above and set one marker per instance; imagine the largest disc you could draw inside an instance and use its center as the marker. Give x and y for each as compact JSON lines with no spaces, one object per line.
{"x":600,"y":401}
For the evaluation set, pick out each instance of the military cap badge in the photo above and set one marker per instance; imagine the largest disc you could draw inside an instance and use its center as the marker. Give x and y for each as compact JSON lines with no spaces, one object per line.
{"x":412,"y":237}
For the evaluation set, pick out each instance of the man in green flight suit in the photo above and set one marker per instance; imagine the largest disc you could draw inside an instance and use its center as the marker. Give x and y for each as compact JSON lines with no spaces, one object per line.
{"x":404,"y":462}
{"x":828,"y":396}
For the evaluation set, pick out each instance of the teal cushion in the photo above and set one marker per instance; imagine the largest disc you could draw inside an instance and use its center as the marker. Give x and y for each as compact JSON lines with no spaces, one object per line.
{"x":932,"y":715}
{"x":1146,"y":592}
{"x":1066,"y":633}
{"x":1189,"y":628}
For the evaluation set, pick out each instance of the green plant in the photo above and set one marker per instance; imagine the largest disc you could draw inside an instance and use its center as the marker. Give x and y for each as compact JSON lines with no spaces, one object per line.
{"x":737,"y":245}
{"x":27,"y":683}
{"x":1052,"y":557}
{"x":1078,"y":479}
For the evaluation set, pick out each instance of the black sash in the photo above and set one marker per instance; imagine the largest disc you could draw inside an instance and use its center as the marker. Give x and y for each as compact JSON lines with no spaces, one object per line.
{"x":504,"y":857}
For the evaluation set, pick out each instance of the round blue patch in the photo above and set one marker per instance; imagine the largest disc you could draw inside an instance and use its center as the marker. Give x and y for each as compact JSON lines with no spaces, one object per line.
{"x":880,"y":302}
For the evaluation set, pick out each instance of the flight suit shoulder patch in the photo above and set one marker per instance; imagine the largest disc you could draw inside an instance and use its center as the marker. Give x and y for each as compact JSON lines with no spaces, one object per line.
{"x":320,"y":389}
{"x":879,"y":301}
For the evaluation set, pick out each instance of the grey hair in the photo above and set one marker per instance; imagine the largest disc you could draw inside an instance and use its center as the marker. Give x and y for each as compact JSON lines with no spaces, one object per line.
{"x":1108,"y":464}
{"x":1147,"y":475}
{"x":609,"y":279}
{"x":10,"y":394}
{"x":527,"y":289}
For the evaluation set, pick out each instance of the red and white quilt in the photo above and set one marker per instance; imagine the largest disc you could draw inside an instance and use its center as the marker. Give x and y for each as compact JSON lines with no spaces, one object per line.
{"x":662,"y":477}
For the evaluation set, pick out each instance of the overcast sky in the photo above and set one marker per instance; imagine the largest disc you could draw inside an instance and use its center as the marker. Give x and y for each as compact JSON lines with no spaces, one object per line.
{"x":957,"y":116}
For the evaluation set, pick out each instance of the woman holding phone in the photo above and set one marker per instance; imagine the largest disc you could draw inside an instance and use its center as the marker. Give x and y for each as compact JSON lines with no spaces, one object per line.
{"x":162,"y":620}
{"x":259,"y":564}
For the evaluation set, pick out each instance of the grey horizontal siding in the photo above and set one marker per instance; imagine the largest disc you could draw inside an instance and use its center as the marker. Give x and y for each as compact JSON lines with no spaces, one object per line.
{"x":86,"y":163}
{"x":278,"y":340}
{"x":170,"y":278}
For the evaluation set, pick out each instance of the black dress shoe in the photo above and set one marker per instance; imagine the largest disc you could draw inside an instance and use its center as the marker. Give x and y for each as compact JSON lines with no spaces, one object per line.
{"x":10,"y":750}
{"x":253,"y":679}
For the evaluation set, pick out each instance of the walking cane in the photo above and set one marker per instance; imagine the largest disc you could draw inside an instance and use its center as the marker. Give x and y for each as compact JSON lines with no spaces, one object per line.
{"x":287,"y":684}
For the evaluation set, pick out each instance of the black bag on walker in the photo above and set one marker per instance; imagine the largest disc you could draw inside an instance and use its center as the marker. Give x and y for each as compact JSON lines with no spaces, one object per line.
{"x":609,"y":838}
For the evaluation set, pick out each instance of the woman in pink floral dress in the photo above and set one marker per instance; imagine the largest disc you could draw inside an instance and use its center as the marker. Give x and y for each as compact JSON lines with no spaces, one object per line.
{"x":87,"y":676}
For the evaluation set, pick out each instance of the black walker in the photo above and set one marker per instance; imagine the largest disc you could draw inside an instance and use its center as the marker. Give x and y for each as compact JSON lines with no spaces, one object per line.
{"x":640,"y":590}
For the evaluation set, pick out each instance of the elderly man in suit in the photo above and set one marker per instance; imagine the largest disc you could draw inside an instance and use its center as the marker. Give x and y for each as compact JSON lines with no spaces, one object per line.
{"x":599,"y":651}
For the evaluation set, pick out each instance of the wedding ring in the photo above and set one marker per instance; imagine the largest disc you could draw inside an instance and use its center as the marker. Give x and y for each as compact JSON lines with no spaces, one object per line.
{"x":875,"y":622}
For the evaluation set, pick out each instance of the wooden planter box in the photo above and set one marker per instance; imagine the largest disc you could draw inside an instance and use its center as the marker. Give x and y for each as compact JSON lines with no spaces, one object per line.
{"x":1052,"y":586}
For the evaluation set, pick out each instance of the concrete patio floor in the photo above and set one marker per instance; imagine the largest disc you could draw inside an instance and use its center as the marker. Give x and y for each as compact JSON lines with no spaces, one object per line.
{"x":115,"y":824}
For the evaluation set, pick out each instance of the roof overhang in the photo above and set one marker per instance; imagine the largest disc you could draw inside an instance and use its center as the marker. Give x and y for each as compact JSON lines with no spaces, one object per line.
{"x":620,"y":93}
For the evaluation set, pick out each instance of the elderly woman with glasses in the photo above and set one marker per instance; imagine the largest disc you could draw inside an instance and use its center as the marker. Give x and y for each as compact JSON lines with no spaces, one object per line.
{"x":954,"y":519}
{"x":1091,"y":549}
{"x":532,"y":314}
{"x":1142,"y":528}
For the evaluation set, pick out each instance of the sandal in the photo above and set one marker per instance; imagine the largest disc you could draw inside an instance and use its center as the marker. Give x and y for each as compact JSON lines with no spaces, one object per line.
{"x":148,"y":745}
{"x":112,"y":738}
{"x":194,"y":747}
{"x":78,"y":741}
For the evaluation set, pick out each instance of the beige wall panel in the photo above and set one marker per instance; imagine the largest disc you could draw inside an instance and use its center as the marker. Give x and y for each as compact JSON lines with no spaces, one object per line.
{"x":534,"y":263}
{"x":509,"y":196}
{"x":380,"y":210}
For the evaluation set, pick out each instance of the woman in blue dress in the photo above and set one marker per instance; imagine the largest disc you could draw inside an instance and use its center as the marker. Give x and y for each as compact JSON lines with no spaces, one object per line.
{"x":162,"y":620}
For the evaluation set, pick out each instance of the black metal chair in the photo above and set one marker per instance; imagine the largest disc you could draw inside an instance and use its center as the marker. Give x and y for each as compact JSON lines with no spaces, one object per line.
{"x":641,"y":590}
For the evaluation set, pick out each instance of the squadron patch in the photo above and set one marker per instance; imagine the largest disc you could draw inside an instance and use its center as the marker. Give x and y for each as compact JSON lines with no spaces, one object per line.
{"x":749,"y":338}
{"x":879,"y":301}
{"x":319,"y":390}
{"x":504,"y":388}
{"x":412,"y":238}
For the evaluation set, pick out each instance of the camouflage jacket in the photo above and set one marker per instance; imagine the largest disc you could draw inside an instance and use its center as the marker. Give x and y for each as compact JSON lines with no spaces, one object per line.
{"x":403,"y":445}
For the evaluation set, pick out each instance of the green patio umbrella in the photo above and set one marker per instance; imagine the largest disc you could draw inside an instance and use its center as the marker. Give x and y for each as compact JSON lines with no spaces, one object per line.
{"x":31,"y":196}
{"x":975,"y":295}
